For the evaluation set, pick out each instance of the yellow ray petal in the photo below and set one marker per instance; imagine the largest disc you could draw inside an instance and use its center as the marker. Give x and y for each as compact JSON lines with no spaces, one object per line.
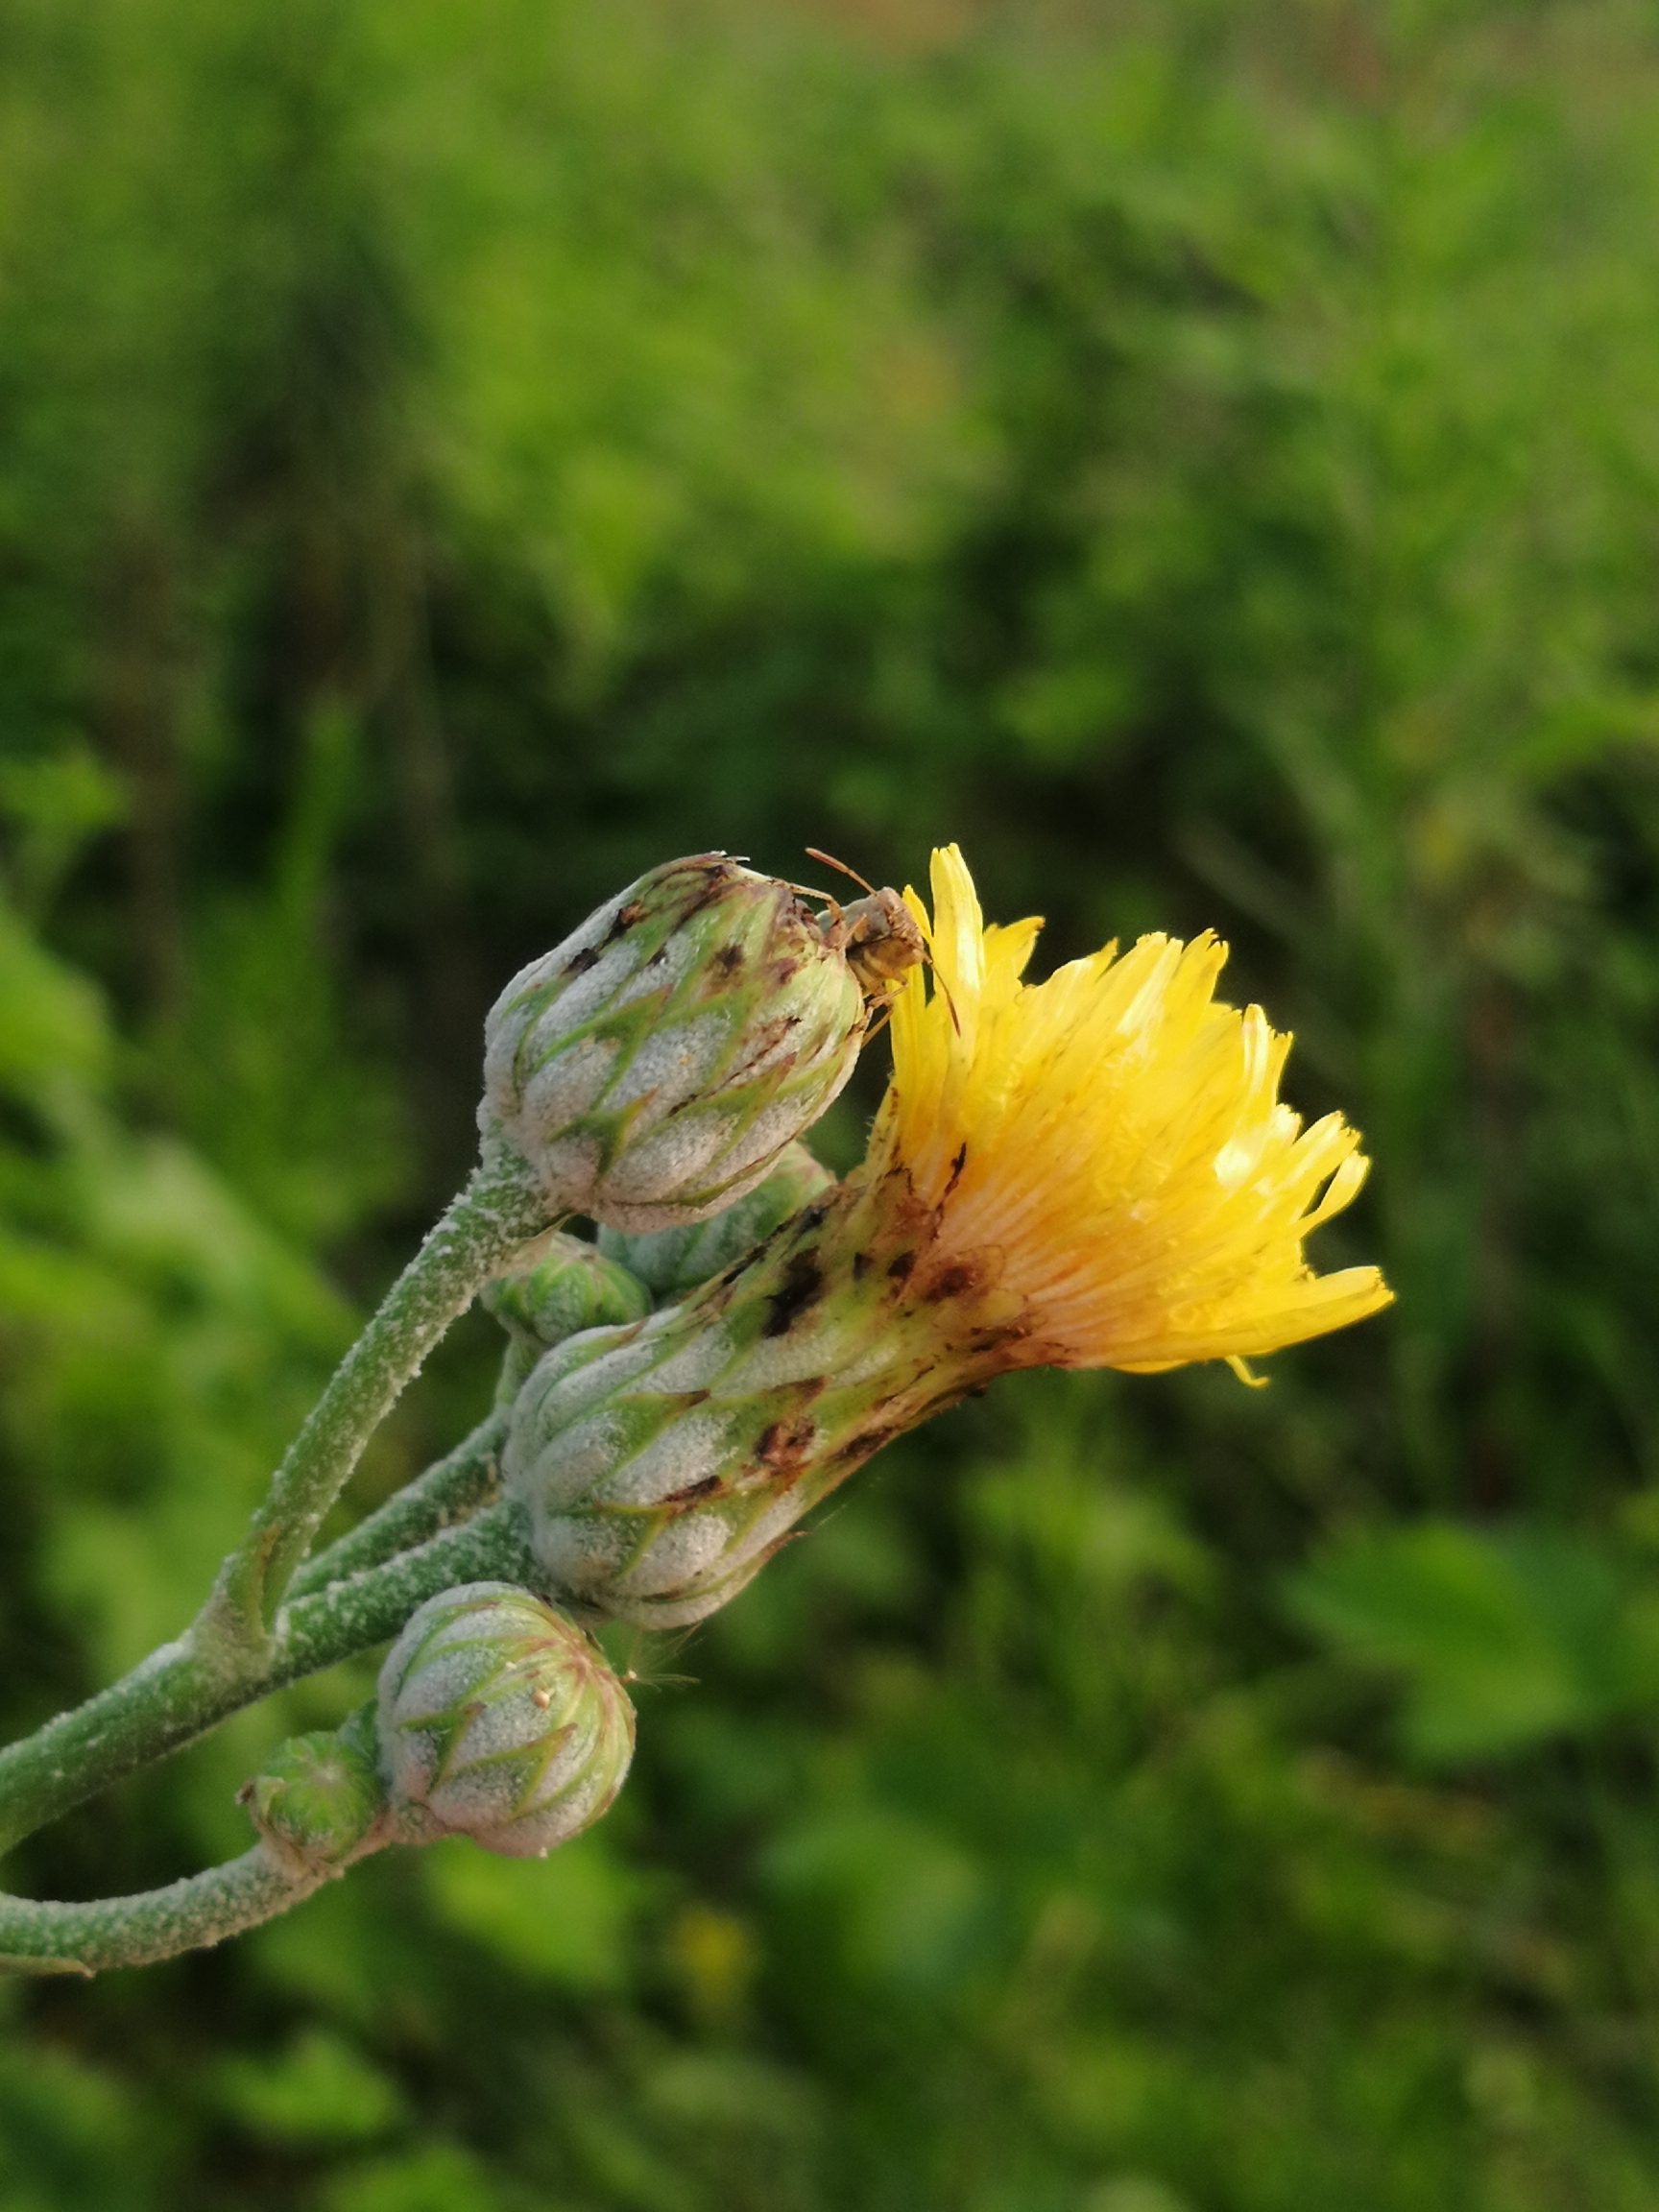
{"x":1115,"y":1138}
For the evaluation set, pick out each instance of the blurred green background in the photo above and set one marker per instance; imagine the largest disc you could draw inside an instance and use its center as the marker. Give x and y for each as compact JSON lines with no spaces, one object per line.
{"x":456,"y":453}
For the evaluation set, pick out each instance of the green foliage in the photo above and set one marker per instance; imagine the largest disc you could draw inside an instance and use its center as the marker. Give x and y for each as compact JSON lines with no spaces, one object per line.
{"x":1202,"y":459}
{"x":1503,"y":1639}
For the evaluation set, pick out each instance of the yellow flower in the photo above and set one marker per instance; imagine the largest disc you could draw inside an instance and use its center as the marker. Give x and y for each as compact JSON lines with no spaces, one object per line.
{"x":1108,"y":1149}
{"x":1094,"y":1171}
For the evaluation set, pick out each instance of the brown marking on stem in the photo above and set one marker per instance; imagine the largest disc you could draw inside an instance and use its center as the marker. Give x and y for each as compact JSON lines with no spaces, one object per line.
{"x":579,"y":963}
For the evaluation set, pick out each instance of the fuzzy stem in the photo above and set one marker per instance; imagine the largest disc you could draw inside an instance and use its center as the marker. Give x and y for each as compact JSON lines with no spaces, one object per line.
{"x":39,"y":1937}
{"x":450,"y":1490}
{"x":493,"y":1219}
{"x":179,"y":1693}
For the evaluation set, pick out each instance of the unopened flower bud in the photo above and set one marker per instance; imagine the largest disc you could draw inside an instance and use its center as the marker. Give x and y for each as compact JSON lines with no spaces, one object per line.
{"x":650,"y":1069}
{"x":499,"y":1719}
{"x":572,"y":1287}
{"x":662,"y":1464}
{"x":317,"y":1796}
{"x":671,"y":1262}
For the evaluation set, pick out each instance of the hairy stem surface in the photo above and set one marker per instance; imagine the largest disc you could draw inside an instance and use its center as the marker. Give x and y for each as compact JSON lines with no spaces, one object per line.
{"x":495,"y":1218}
{"x":38,"y":1937}
{"x":178,"y":1694}
{"x":450,"y":1490}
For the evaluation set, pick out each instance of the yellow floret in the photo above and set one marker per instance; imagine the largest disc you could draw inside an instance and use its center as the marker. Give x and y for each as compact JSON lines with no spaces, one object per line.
{"x":1113,"y":1140}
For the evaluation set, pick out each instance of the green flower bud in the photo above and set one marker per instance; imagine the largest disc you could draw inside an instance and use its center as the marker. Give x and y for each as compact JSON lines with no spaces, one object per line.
{"x":499,"y":1719}
{"x":571,"y":1287}
{"x":651,"y":1068}
{"x":671,"y":1262}
{"x":663,"y":1465}
{"x":317,"y":1797}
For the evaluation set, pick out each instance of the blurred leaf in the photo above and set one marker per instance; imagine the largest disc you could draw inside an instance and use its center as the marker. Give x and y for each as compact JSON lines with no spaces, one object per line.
{"x":75,"y":2134}
{"x":52,"y":805}
{"x":907,"y":1906}
{"x":317,"y":2091}
{"x":438,"y":2178}
{"x":1503,"y":1637}
{"x":567,"y":1920}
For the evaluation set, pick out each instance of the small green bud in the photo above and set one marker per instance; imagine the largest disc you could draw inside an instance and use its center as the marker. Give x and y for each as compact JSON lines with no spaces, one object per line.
{"x":499,"y":1719}
{"x":317,"y":1796}
{"x":651,"y":1068}
{"x":671,"y":1262}
{"x":572,"y":1287}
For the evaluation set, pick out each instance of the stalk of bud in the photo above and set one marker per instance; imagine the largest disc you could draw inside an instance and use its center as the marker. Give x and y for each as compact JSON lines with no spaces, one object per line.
{"x":672,"y":1261}
{"x":499,"y":1719}
{"x":317,"y":1797}
{"x":572,"y":1287}
{"x":664,"y":1462}
{"x":650,"y":1069}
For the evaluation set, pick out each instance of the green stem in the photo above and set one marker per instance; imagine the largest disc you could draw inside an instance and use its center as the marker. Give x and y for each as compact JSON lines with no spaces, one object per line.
{"x":38,"y":1937}
{"x":494,"y":1217}
{"x":179,"y":1693}
{"x":450,"y":1490}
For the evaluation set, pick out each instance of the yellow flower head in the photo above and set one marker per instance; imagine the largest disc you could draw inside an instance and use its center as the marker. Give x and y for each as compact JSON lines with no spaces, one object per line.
{"x":1108,"y":1149}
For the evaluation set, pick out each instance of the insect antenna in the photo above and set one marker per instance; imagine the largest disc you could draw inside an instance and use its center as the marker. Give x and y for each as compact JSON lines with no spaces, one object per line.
{"x":829,"y":861}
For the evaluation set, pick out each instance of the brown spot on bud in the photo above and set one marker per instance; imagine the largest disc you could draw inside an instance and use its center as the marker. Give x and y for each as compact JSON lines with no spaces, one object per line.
{"x":626,"y":917}
{"x":714,"y":888}
{"x":579,"y":963}
{"x":693,"y":1493}
{"x":803,"y":1282}
{"x":861,"y":1448}
{"x":956,"y":1166}
{"x":729,"y":959}
{"x":950,"y":1284}
{"x":785,"y":1444}
{"x":901,"y":1266}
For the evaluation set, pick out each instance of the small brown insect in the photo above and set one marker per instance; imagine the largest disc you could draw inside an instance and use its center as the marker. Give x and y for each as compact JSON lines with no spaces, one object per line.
{"x":878,"y":934}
